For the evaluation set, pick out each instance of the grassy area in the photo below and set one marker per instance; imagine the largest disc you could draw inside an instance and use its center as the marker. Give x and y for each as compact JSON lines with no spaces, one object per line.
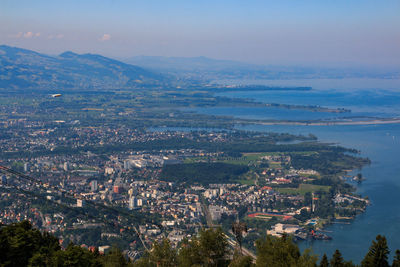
{"x":203,"y":173}
{"x":261,"y":217}
{"x":246,"y":181}
{"x":302,"y":189}
{"x":275,"y":165}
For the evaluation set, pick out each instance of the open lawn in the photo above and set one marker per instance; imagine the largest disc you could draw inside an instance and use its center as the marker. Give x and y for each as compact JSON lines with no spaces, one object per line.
{"x":302,"y":189}
{"x":246,"y":181}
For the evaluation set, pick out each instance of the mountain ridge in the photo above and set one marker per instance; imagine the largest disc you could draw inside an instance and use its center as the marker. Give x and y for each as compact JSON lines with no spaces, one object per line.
{"x":26,"y":69}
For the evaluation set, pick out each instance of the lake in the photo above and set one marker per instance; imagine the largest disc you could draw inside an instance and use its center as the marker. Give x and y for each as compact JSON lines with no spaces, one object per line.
{"x":381,"y":143}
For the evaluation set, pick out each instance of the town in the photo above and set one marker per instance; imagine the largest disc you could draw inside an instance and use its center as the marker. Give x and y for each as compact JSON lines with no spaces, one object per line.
{"x":183,"y":182}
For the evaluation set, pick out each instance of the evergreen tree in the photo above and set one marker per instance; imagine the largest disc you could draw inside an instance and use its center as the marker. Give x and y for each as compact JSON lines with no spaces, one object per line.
{"x":74,"y":256}
{"x":210,"y":248}
{"x":189,"y":253}
{"x":377,"y":255}
{"x":349,"y":264}
{"x":307,"y":259}
{"x":114,"y":258}
{"x":39,"y":260}
{"x":19,"y":242}
{"x":163,"y":255}
{"x":239,"y":260}
{"x":277,"y":252}
{"x":144,"y":261}
{"x":324,"y":261}
{"x":337,"y":260}
{"x":396,"y":260}
{"x":214,"y":247}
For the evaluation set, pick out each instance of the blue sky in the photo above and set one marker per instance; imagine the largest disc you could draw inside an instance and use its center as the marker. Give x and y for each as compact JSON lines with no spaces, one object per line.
{"x":283,"y":32}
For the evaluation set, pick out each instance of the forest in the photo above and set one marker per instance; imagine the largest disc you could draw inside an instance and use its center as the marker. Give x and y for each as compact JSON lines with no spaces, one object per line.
{"x":203,"y":173}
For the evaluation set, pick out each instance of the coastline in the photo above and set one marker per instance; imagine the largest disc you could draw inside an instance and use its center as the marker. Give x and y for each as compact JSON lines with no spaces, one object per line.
{"x":367,"y":122}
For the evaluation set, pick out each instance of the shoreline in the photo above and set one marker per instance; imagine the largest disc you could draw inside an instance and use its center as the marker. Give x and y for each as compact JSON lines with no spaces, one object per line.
{"x":369,"y":122}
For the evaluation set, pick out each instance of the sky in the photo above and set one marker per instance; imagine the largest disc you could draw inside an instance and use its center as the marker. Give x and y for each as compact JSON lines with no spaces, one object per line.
{"x":279,"y":32}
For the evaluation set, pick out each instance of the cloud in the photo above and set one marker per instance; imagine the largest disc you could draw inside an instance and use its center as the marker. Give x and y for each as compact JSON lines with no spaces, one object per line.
{"x":25,"y":35}
{"x":57,"y":36}
{"x":105,"y":37}
{"x":28,"y":35}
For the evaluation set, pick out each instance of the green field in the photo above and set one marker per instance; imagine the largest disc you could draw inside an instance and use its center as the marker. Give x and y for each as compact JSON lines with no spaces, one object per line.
{"x":302,"y":189}
{"x":246,"y":181}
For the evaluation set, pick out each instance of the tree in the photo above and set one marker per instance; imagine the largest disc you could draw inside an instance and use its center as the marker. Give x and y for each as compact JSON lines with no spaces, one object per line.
{"x":144,"y":261}
{"x":189,"y":253}
{"x":114,"y":258}
{"x":377,"y":255}
{"x":163,"y":254}
{"x":74,"y":256}
{"x":210,"y":248}
{"x":39,"y":260}
{"x":280,"y":252}
{"x":214,"y":247}
{"x":396,"y":260}
{"x":307,"y":259}
{"x":324,"y":261}
{"x":239,"y":260}
{"x":337,"y":260}
{"x":19,"y":242}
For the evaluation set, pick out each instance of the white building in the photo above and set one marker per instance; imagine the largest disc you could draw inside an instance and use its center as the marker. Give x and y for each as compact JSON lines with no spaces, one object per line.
{"x":65,"y":166}
{"x":279,"y":229}
{"x":80,"y":203}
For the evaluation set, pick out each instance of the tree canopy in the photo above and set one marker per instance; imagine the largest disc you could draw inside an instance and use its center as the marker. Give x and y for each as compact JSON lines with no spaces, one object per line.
{"x":22,"y":245}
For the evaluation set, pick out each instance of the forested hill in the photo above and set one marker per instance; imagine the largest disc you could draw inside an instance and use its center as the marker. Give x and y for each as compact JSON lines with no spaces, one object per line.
{"x":26,"y":69}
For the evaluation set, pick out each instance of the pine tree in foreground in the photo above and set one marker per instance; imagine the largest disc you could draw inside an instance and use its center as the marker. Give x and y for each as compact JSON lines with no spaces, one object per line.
{"x":396,"y":260}
{"x":337,"y":259}
{"x":378,"y":253}
{"x":324,"y":261}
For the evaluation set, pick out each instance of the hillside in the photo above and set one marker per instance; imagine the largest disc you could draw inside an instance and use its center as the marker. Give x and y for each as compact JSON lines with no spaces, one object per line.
{"x":26,"y":69}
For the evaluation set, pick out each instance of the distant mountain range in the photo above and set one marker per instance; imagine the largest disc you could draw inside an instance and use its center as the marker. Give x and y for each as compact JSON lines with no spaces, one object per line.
{"x":26,"y":69}
{"x":214,"y":69}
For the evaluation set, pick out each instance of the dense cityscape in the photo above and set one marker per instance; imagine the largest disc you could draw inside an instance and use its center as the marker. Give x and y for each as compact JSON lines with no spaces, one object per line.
{"x":65,"y":176}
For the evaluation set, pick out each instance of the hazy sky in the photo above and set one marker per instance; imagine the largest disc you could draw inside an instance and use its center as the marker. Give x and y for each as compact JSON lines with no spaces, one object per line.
{"x":319,"y":32}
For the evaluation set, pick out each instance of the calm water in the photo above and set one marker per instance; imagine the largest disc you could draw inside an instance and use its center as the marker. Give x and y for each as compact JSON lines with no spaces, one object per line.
{"x":364,"y":103}
{"x":381,"y":143}
{"x":290,"y":114}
